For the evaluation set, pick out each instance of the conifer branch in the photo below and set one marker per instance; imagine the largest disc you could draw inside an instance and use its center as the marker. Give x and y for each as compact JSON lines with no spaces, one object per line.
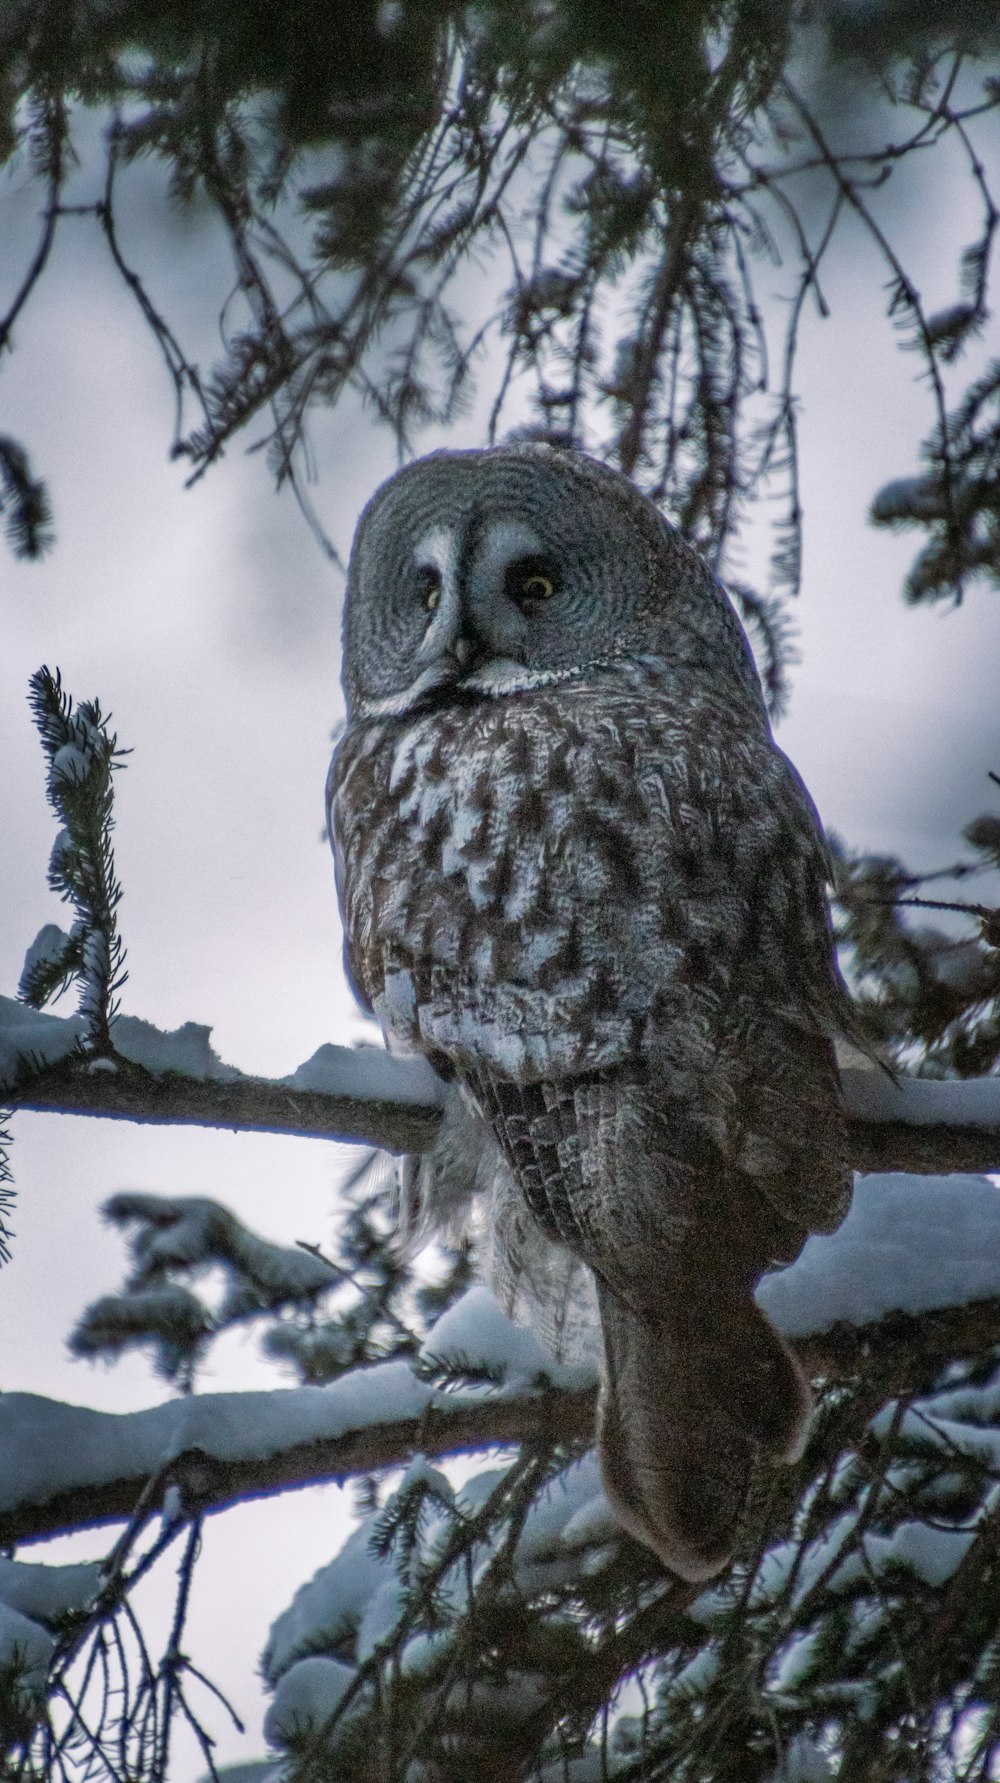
{"x":24,"y":503}
{"x":82,"y":755}
{"x":897,"y":1355}
{"x":889,"y":1127}
{"x":48,"y":136}
{"x":244,"y":1105}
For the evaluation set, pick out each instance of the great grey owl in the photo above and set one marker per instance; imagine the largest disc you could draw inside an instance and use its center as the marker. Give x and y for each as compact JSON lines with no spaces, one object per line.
{"x":578,"y":875}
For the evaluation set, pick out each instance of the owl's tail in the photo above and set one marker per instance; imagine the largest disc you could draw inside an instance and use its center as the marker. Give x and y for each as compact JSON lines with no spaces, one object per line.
{"x":690,"y":1400}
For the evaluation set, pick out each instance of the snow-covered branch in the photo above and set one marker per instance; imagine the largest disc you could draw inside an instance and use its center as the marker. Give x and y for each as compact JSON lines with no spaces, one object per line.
{"x":911,"y":1280}
{"x":920,"y":1124}
{"x":363,"y":1095}
{"x":66,"y":1467}
{"x":218,"y":1449}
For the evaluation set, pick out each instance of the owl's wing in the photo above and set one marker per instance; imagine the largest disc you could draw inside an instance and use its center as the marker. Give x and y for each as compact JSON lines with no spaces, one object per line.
{"x":701,"y":975}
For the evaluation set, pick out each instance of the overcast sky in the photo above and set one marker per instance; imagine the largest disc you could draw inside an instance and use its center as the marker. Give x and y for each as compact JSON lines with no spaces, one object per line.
{"x":208,"y":622}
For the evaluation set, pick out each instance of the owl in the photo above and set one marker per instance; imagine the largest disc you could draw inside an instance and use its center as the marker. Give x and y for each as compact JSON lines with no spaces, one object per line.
{"x":578,"y":876}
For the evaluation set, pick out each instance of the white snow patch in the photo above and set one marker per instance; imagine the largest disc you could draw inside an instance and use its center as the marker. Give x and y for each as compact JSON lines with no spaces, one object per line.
{"x":370,"y":1074}
{"x":62,"y":848}
{"x":794,"y":1661}
{"x":255,"y":1770}
{"x":542,"y":1544}
{"x":27,"y":1033}
{"x":382,"y":1617}
{"x":773,"y":1573}
{"x":908,"y":1244}
{"x":593,"y":1525}
{"x":932,"y":1554}
{"x":49,"y":945}
{"x":328,"y":1607}
{"x":922,"y":1423}
{"x":922,"y":1101}
{"x":421,"y":1472}
{"x":186,"y":1050}
{"x":173,"y":1507}
{"x":365,"y":1072}
{"x":700,"y":1672}
{"x":424,"y":1651}
{"x":821,"y":1555}
{"x":47,"y":1447}
{"x":804,"y":1762}
{"x":475,"y":1333}
{"x":30,"y":1033}
{"x":306,"y":1699}
{"x":48,"y":1593}
{"x":909,"y":498}
{"x":70,"y":763}
{"x":25,"y":1649}
{"x":191,"y":1229}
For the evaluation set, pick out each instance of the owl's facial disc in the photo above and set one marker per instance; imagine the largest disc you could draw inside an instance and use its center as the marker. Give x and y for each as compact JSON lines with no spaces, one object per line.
{"x":495,"y":572}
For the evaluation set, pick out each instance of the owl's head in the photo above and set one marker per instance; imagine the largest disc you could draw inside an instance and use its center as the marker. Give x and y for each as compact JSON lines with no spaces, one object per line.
{"x":489,"y":572}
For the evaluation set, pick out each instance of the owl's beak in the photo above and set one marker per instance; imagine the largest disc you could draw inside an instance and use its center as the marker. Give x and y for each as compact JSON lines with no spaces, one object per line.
{"x":466,"y":650}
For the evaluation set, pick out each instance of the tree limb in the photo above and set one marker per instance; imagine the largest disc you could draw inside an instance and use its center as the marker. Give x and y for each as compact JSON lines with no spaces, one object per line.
{"x":902,"y":1352}
{"x":913,"y":1125}
{"x":447,"y":1424}
{"x":244,"y":1104}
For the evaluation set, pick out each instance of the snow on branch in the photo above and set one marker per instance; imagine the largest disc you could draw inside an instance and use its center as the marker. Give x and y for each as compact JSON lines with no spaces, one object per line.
{"x":219,"y":1449}
{"x":357,"y":1094}
{"x":911,"y":1280}
{"x":65,"y":1467}
{"x":921,"y":1124}
{"x":365,"y":1096}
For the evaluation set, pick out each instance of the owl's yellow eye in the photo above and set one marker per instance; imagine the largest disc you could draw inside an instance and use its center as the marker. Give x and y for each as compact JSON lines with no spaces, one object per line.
{"x":531,"y":579}
{"x":429,"y":586}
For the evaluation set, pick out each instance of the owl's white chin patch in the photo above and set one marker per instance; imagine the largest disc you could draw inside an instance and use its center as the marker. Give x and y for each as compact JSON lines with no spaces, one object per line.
{"x":502,"y":675}
{"x":499,"y":676}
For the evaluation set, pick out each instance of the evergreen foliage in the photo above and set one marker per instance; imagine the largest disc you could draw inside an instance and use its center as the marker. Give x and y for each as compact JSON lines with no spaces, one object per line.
{"x":930,"y":998}
{"x":6,"y":1191}
{"x":626,"y":178}
{"x":24,"y":503}
{"x":82,"y":756}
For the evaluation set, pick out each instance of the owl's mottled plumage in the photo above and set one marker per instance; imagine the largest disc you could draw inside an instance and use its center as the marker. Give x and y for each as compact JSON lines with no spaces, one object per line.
{"x":577,"y":874}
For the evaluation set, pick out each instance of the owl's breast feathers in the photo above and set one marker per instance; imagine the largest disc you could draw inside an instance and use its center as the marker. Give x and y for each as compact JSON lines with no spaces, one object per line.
{"x":597,"y":877}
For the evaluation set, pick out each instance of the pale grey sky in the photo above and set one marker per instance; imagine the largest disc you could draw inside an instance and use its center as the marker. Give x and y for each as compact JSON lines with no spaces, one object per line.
{"x":208,"y":622}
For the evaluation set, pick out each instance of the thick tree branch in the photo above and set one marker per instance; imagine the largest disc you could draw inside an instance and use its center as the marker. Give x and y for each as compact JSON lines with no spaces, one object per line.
{"x":915,"y":1125}
{"x":215,"y":1447}
{"x":244,"y":1104}
{"x":232,"y":1459}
